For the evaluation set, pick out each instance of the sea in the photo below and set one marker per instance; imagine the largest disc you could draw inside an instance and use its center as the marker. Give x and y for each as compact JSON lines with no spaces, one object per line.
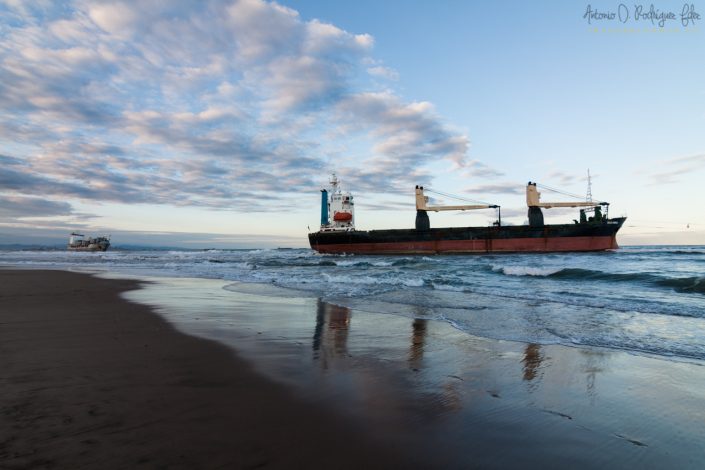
{"x":646,"y":300}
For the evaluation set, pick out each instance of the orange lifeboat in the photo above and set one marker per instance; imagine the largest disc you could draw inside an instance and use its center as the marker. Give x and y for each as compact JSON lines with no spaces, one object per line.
{"x":342,"y":216}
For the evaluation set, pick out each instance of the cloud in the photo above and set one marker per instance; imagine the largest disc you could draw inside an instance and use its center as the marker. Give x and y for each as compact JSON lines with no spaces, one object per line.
{"x":475,"y":168}
{"x":117,"y":18}
{"x":508,"y":212}
{"x":406,"y":136}
{"x":8,"y":161}
{"x":500,"y":188}
{"x":677,"y":167}
{"x":563,"y":212}
{"x":222,"y":104}
{"x":388,"y":205}
{"x":562,"y":178}
{"x":17,"y":207}
{"x":384,"y":72}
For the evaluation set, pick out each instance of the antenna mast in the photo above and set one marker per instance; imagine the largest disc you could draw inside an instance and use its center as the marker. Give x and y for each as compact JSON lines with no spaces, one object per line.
{"x":588,"y":197}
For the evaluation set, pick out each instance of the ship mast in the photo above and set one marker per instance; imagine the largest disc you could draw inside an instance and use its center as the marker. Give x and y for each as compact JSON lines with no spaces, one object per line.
{"x":588,"y":197}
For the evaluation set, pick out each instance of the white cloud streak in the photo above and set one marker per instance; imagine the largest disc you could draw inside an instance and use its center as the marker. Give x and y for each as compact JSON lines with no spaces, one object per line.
{"x":674,"y":168}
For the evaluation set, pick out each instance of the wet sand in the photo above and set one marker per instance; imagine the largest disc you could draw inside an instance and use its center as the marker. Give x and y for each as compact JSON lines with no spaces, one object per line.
{"x":461,"y":401}
{"x":90,"y":380}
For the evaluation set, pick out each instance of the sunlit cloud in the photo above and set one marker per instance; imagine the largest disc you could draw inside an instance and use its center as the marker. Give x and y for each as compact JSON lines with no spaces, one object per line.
{"x":208,"y":104}
{"x":384,"y":72}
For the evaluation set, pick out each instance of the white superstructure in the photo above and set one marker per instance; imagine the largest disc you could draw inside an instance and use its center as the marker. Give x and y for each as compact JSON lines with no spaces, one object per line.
{"x":76,"y":238}
{"x":340,"y":211}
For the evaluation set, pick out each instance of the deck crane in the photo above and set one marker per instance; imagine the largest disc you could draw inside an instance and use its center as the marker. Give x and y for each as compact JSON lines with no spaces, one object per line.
{"x":422,"y":207}
{"x":533,"y":201}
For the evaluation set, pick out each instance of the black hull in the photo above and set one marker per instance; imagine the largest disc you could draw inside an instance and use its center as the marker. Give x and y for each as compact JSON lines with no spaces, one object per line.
{"x":548,"y":238}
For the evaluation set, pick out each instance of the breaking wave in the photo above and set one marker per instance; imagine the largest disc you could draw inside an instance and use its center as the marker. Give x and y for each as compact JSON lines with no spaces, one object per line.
{"x":526,"y":271}
{"x":684,"y":284}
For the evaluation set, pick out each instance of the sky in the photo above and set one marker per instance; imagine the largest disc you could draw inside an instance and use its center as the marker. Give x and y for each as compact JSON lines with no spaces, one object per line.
{"x":215,"y":123}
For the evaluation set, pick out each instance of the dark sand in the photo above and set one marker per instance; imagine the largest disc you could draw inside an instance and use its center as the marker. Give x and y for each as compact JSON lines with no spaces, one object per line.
{"x":90,"y":380}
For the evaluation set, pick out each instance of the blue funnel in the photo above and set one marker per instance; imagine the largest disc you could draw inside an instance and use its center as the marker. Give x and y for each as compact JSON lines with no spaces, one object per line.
{"x":324,"y":207}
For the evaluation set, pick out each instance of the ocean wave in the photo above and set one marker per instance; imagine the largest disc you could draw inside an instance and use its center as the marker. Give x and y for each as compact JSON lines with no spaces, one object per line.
{"x":572,"y":273}
{"x":526,"y":271}
{"x":670,"y":250}
{"x":447,"y":287}
{"x":409,"y":262}
{"x":685,"y":284}
{"x":692,"y":284}
{"x":348,"y":263}
{"x":176,"y":254}
{"x":578,"y":273}
{"x":369,"y":280}
{"x":378,"y":264}
{"x":362,"y":263}
{"x":273,"y":263}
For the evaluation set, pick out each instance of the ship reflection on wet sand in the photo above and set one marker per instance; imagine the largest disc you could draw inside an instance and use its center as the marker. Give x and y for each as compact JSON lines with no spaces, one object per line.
{"x":423,"y":386}
{"x":331,"y":334}
{"x":532,"y":361}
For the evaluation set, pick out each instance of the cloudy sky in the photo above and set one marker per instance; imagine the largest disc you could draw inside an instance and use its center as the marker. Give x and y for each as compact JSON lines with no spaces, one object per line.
{"x":215,"y":123}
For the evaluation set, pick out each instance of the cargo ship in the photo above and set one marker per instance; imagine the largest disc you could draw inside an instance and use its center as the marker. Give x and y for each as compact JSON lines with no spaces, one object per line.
{"x":78,"y":242}
{"x":594,"y":231}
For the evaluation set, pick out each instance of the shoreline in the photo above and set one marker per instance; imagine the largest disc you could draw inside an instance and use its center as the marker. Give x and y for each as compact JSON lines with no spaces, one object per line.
{"x":90,"y":379}
{"x":421,"y":391}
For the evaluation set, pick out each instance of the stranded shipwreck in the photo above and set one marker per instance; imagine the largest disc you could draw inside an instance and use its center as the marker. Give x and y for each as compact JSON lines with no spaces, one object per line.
{"x":78,"y":242}
{"x":594,"y":231}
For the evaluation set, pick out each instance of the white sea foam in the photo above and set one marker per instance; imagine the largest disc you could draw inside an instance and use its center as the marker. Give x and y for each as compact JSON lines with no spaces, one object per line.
{"x":525,"y":271}
{"x":369,"y":280}
{"x":348,"y":263}
{"x":447,"y":287}
{"x":359,"y":262}
{"x":382,"y":263}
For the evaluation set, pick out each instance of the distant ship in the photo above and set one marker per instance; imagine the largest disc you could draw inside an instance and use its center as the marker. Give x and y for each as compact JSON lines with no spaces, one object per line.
{"x":78,"y":242}
{"x":595,"y":231}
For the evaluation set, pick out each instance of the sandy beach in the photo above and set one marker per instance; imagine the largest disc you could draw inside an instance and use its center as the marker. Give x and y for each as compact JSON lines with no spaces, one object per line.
{"x":90,"y":380}
{"x":99,"y":373}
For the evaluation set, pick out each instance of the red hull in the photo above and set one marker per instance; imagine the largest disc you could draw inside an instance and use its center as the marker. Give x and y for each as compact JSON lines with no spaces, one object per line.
{"x":507,"y":245}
